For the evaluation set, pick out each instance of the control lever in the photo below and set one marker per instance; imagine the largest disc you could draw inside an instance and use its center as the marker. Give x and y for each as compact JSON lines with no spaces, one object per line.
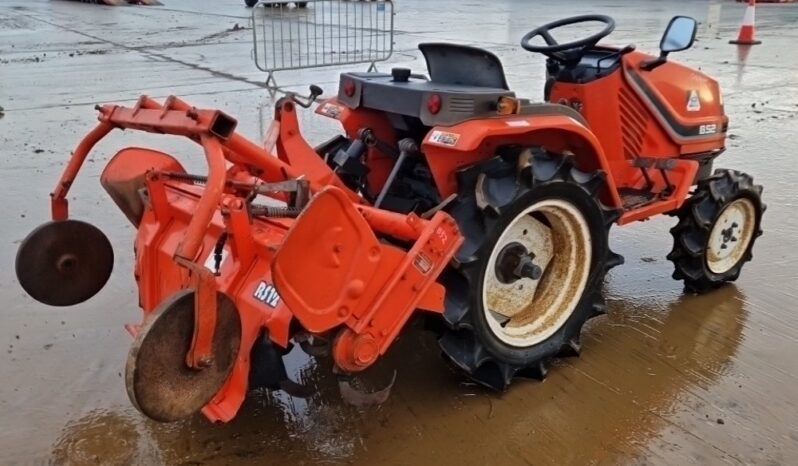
{"x":370,"y":139}
{"x":307,"y":101}
{"x":407,"y":146}
{"x":349,"y":160}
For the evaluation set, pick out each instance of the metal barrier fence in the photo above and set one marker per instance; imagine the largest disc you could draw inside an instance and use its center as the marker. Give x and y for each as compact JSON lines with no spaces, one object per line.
{"x":317,"y":33}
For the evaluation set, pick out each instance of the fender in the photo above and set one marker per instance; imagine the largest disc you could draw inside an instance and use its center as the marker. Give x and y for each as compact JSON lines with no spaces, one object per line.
{"x":449,"y":149}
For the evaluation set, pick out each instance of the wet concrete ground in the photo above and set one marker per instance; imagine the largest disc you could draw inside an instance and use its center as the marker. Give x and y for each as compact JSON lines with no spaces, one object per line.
{"x":663,"y":379}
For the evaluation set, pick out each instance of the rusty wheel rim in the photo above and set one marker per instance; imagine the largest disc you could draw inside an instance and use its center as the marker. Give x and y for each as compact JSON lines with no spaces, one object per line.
{"x":537,"y":272}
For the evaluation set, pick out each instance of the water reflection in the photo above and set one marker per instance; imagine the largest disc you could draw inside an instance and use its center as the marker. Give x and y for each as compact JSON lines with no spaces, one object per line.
{"x":636,"y":368}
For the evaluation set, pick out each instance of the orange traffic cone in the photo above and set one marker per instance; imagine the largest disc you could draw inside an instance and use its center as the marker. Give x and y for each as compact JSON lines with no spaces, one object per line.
{"x":746,"y":36}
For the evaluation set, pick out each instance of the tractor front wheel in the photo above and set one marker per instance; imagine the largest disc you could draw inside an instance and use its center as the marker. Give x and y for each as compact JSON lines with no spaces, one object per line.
{"x":717,"y":229}
{"x":532,"y":267}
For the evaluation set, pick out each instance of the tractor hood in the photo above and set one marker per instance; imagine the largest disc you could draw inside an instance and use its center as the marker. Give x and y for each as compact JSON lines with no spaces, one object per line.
{"x":686,"y":102}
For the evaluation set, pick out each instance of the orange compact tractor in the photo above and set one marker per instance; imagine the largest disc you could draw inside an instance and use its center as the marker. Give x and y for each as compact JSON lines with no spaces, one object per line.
{"x":447,"y":194}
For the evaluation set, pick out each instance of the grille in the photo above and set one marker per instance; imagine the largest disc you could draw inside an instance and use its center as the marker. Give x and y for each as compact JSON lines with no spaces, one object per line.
{"x":634,"y":122}
{"x":461,"y":105}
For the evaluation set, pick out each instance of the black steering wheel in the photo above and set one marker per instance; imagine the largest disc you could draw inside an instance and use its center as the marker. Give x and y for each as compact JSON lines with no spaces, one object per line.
{"x":569,"y":52}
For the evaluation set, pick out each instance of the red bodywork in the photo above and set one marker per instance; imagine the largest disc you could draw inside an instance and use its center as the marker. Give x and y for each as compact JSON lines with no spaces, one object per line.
{"x":642,"y":115}
{"x":334,"y":275}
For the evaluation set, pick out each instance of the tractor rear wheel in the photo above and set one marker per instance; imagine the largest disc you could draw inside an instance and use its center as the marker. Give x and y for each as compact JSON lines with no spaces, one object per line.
{"x":530,"y":272}
{"x":717,"y":229}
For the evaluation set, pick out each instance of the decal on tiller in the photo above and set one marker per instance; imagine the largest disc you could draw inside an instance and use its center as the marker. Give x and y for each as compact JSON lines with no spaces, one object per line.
{"x":422,"y":263}
{"x":267,"y":294}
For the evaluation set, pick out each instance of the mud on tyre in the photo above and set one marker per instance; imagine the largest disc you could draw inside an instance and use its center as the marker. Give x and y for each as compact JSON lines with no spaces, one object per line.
{"x":530,"y":272}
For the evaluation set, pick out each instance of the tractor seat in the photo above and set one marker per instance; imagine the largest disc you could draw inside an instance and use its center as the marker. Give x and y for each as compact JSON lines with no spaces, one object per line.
{"x":463,"y":65}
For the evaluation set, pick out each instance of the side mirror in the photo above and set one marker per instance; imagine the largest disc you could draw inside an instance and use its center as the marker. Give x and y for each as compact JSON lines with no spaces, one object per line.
{"x":678,"y":36}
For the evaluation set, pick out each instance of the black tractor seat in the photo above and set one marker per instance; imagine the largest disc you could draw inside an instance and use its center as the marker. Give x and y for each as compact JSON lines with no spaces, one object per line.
{"x":463,"y":65}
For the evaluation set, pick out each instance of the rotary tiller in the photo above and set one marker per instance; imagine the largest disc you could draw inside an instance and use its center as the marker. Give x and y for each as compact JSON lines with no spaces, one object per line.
{"x":447,"y":194}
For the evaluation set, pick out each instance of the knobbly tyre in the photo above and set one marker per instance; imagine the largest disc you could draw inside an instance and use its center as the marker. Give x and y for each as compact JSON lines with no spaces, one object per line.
{"x":446,"y":194}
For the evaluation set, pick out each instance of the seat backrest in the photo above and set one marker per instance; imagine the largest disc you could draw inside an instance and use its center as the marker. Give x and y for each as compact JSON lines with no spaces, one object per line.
{"x":463,"y":65}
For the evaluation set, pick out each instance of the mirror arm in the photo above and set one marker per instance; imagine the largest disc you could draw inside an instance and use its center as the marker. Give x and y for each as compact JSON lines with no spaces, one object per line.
{"x":652,"y":64}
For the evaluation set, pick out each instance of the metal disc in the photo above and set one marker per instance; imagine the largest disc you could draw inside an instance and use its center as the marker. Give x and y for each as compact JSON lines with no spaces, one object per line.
{"x":159,"y":383}
{"x":64,"y":263}
{"x":360,"y":398}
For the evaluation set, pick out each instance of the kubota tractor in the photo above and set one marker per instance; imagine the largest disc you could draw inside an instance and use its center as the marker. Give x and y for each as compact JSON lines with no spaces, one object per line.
{"x":446,"y":194}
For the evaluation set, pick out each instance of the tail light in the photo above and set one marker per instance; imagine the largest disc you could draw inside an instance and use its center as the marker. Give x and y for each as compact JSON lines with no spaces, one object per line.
{"x":434,"y":103}
{"x":349,"y":88}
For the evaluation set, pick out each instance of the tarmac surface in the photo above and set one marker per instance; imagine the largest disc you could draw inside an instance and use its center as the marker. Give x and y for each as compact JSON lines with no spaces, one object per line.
{"x":664,"y":378}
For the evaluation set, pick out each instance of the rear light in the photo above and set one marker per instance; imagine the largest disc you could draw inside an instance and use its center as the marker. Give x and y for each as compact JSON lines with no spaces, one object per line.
{"x":349,"y":88}
{"x":434,"y":103}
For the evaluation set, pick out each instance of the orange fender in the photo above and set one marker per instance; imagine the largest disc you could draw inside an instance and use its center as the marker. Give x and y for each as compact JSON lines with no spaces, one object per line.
{"x":449,"y":149}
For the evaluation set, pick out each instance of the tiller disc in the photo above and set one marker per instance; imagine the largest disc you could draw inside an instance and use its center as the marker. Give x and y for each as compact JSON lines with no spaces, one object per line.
{"x":361,"y":398}
{"x":64,"y":263}
{"x":159,"y":383}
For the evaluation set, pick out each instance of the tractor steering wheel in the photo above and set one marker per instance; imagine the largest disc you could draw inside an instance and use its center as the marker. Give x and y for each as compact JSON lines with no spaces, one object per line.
{"x":570,"y":52}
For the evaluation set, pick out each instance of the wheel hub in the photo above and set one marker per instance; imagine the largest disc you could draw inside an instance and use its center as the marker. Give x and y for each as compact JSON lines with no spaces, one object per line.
{"x":731,"y":235}
{"x":64,"y":263}
{"x":515,"y":262}
{"x":537,"y":272}
{"x":728,"y":235}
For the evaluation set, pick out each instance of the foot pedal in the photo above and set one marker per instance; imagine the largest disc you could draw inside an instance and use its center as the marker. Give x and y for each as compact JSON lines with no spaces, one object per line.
{"x":634,"y":198}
